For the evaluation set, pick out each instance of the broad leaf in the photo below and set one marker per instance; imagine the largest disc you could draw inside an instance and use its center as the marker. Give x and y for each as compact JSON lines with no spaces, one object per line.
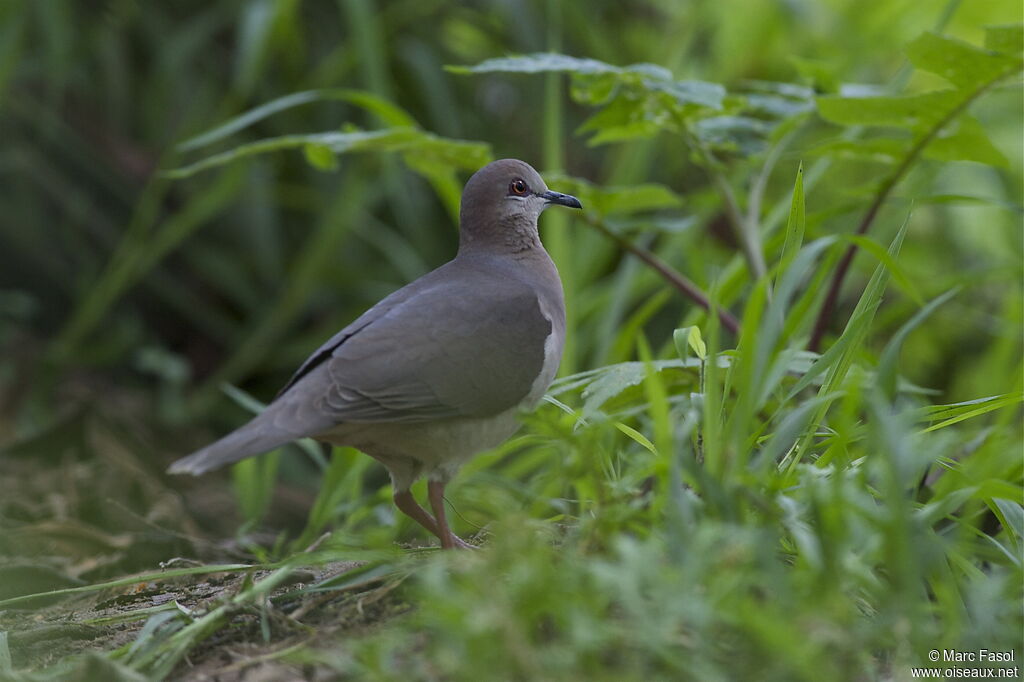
{"x":965,"y":140}
{"x":743,"y":133}
{"x":887,"y":150}
{"x":615,"y":379}
{"x":962,"y":64}
{"x":1008,"y":39}
{"x":650,"y":76}
{"x":626,"y":118}
{"x":916,"y":112}
{"x":540,"y":62}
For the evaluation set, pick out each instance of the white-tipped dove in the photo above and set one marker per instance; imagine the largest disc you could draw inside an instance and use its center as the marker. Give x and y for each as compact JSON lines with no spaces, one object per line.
{"x":437,"y":371}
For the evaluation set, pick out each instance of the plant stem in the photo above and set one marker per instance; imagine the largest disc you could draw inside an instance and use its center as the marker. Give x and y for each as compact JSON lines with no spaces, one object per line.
{"x":832,"y":297}
{"x":669,"y":274}
{"x":556,"y":236}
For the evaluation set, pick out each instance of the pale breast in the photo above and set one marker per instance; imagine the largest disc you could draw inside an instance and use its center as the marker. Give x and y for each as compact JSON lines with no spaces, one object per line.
{"x":434,"y":448}
{"x":553,"y":346}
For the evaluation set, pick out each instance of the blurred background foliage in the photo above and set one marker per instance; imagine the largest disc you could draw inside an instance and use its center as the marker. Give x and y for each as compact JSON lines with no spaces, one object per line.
{"x":129,"y":298}
{"x":96,"y":98}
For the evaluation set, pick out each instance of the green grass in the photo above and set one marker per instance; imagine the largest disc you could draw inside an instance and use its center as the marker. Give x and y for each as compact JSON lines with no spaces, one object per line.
{"x":689,"y":503}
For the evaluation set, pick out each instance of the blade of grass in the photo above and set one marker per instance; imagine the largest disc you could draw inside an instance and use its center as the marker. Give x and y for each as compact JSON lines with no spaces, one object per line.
{"x":886,"y":374}
{"x":131,"y":580}
{"x":392,"y":115}
{"x":852,"y":338}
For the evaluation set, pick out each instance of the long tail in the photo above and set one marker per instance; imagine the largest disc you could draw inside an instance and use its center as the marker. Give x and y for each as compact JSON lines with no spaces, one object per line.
{"x":256,"y":437}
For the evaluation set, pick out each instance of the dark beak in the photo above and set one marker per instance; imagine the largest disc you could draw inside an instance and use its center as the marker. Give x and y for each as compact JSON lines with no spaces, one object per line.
{"x":561,"y":199}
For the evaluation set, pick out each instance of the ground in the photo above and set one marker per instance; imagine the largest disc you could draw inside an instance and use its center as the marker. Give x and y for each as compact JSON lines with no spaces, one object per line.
{"x":80,"y":507}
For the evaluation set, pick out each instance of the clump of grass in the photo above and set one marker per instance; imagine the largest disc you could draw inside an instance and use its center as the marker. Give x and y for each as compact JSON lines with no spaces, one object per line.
{"x":752,"y":537}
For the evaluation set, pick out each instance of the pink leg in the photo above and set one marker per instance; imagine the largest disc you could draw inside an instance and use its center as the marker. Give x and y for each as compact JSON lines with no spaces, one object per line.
{"x":407,"y":504}
{"x":449,"y":540}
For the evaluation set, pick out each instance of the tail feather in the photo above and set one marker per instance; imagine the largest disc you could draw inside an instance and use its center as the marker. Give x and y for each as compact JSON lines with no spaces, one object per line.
{"x":254,"y":438}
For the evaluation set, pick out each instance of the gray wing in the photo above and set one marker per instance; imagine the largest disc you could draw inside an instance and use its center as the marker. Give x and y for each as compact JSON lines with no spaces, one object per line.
{"x":450,"y":350}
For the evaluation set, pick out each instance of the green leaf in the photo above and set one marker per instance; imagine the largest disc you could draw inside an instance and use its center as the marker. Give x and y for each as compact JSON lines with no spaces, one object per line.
{"x":968,"y":200}
{"x":336,"y":142}
{"x":868,"y":301}
{"x":342,"y":481}
{"x":819,"y":73}
{"x":887,"y":372}
{"x":639,"y":100}
{"x":359,"y":576}
{"x":965,"y":140}
{"x":700,"y":93}
{"x":802,"y":265}
{"x":886,"y":258}
{"x":787,"y":433}
{"x":595,"y":82}
{"x":441,"y":177}
{"x":652,"y":76}
{"x":461,"y":154}
{"x":147,"y":635}
{"x":388,"y":112}
{"x":646,"y":197}
{"x":253,"y":482}
{"x":695,"y":341}
{"x":791,"y":91}
{"x":247,"y":119}
{"x":613,"y":200}
{"x":962,"y":140}
{"x":626,"y":117}
{"x":795,"y":226}
{"x":593,"y":90}
{"x":689,"y":337}
{"x":457,"y":153}
{"x":243,"y":399}
{"x":1012,"y":514}
{"x":984,"y":407}
{"x":637,"y":437}
{"x":1007,"y":38}
{"x":744,"y":133}
{"x":679,"y":340}
{"x":540,"y":62}
{"x":608,"y":132}
{"x":916,"y":112}
{"x":888,"y":150}
{"x":836,"y":361}
{"x":935,"y":413}
{"x":320,"y":157}
{"x":962,"y":64}
{"x":614,"y":379}
{"x":437,"y":159}
{"x":392,"y":115}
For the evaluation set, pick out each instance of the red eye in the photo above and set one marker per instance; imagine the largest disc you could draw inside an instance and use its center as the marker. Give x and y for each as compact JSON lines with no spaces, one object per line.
{"x":518,"y":187}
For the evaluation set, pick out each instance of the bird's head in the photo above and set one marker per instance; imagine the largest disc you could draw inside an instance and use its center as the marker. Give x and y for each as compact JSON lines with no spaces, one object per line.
{"x":502,"y":201}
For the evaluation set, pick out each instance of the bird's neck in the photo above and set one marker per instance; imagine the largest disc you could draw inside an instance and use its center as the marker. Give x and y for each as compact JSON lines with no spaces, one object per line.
{"x":532,"y":266}
{"x":511,"y":235}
